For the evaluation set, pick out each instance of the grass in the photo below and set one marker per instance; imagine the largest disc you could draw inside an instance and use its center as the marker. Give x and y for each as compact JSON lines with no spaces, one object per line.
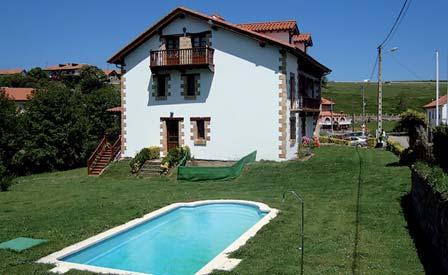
{"x":347,"y":96}
{"x":67,"y":207}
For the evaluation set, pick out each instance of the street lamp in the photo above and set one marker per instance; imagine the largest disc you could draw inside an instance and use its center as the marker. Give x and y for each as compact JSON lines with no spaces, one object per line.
{"x":379,"y":130}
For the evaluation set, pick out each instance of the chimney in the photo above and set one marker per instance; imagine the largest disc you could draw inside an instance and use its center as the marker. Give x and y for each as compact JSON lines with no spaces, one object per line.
{"x":218,"y":17}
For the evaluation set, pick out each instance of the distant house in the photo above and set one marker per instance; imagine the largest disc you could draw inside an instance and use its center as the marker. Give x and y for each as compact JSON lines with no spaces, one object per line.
{"x":56,"y":71}
{"x":113,"y":76}
{"x":221,"y":88}
{"x":328,"y":117}
{"x":431,"y":111}
{"x":19,"y":95}
{"x":12,"y":72}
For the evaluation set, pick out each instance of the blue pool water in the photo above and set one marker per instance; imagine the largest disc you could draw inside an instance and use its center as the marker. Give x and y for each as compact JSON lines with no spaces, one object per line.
{"x":181,"y":241}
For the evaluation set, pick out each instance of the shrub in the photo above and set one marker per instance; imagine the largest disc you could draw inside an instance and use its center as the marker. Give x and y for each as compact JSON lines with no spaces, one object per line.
{"x":145,"y":154}
{"x":371,"y":142}
{"x":5,"y":183}
{"x":395,"y":147}
{"x":175,"y":155}
{"x":440,"y":140}
{"x":339,"y":141}
{"x":324,"y":139}
{"x":407,"y":157}
{"x":436,"y":177}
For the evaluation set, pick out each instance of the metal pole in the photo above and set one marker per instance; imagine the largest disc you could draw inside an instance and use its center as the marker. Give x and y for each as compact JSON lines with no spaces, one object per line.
{"x":302,"y":202}
{"x":437,"y":88}
{"x":379,"y":117}
{"x":363,"y":111}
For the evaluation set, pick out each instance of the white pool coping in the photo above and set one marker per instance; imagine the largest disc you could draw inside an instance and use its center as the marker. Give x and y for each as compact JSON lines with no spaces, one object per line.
{"x":221,"y":261}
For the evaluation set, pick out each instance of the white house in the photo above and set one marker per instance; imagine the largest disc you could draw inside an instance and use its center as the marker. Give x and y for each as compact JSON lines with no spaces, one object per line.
{"x":223,"y":89}
{"x":431,"y":111}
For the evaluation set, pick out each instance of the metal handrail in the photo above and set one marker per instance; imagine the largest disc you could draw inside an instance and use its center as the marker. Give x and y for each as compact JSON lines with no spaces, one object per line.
{"x":188,"y":56}
{"x":302,"y":201}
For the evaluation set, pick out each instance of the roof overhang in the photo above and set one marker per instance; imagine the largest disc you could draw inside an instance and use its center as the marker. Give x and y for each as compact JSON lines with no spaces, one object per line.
{"x":180,"y":12}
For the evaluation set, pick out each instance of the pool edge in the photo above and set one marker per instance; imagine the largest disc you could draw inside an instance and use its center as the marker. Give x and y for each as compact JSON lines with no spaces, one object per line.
{"x":221,"y":260}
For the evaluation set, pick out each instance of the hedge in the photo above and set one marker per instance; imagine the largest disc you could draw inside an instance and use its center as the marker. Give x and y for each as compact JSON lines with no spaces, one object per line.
{"x":436,"y":177}
{"x":395,"y":147}
{"x":440,"y":141}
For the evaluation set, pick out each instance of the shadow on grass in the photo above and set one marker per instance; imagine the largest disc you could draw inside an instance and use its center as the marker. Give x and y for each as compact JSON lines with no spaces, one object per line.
{"x":394,"y":164}
{"x":424,"y":249}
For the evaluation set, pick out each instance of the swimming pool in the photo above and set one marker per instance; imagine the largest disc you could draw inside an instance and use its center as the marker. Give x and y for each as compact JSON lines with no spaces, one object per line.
{"x":182,"y":238}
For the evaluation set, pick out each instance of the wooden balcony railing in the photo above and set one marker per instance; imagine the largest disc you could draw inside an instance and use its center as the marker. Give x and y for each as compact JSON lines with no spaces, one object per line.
{"x":305,"y":104}
{"x":182,"y":57}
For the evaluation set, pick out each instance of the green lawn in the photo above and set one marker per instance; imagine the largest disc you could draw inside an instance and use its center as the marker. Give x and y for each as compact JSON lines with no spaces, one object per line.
{"x":347,"y":96}
{"x":67,"y":207}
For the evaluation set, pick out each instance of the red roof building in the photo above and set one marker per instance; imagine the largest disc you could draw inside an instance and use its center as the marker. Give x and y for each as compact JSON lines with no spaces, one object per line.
{"x":328,"y":117}
{"x":443,"y":109}
{"x":12,"y":71}
{"x":19,"y":95}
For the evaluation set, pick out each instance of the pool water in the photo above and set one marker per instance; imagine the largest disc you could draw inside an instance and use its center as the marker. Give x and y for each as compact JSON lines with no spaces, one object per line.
{"x":181,"y":241}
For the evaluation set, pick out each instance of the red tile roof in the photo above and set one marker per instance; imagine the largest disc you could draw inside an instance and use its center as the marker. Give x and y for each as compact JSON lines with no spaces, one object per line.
{"x":325,"y":101}
{"x":115,"y":110}
{"x":18,"y":94}
{"x":442,"y":100}
{"x":11,"y":71}
{"x":303,"y":37}
{"x":276,"y":26}
{"x":62,"y":67}
{"x":118,"y":57}
{"x":108,"y":72}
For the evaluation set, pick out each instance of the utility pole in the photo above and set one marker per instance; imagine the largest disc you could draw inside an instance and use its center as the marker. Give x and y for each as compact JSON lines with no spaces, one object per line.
{"x":379,"y":117}
{"x":437,"y":88}
{"x":363,"y":127}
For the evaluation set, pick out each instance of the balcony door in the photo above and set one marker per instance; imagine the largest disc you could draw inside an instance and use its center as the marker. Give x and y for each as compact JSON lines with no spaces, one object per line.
{"x":172,"y":46}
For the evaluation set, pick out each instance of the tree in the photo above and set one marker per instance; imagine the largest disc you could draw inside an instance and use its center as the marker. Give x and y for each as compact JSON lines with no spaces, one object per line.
{"x":10,"y":132}
{"x":91,"y":78}
{"x":402,"y":104}
{"x":37,"y":73}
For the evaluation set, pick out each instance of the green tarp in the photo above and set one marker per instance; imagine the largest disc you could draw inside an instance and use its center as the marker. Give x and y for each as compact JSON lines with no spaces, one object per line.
{"x":194,"y":173}
{"x":20,"y":244}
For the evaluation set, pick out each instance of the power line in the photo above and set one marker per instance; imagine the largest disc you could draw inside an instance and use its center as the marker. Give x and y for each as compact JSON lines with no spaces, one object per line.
{"x":406,"y":68}
{"x":374,"y":67}
{"x":389,"y":35}
{"x":399,"y":23}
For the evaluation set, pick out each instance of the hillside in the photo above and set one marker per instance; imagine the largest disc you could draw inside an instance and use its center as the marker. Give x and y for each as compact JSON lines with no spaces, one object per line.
{"x":396,"y":96}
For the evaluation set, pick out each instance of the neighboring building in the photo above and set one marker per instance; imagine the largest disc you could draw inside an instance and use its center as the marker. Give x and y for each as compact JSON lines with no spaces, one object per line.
{"x":19,"y":95}
{"x":431,"y":111}
{"x":12,"y":72}
{"x":113,"y":76}
{"x":328,"y":117}
{"x":220,"y":88}
{"x":55,"y":72}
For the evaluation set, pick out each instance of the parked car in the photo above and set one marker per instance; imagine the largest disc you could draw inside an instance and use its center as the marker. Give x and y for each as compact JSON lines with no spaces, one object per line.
{"x":358,"y":141}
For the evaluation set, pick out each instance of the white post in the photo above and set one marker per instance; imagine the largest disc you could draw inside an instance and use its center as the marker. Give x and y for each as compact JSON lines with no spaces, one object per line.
{"x":437,"y":88}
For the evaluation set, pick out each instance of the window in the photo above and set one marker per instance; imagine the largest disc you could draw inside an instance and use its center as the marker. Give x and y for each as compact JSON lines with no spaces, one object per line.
{"x":200,"y":125}
{"x":292,"y":127}
{"x":191,"y":85}
{"x":200,"y":130}
{"x":292,"y":88}
{"x":161,"y":86}
{"x":199,"y":41}
{"x":172,"y":43}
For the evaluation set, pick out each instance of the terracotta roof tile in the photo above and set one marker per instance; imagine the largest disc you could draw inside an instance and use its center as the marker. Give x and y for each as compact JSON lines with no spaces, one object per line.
{"x":11,"y":71}
{"x":303,"y":37}
{"x":270,"y":26}
{"x":19,"y":94}
{"x":325,"y":101}
{"x":442,"y":100}
{"x":115,"y":110}
{"x":62,"y":67}
{"x":328,"y":113}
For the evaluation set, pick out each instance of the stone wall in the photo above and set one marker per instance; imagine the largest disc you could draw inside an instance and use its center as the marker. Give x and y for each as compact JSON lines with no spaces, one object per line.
{"x":431,"y":213}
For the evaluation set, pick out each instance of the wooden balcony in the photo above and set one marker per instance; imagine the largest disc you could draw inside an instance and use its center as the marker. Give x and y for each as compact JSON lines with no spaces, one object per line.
{"x":305,"y":104}
{"x":201,"y":57}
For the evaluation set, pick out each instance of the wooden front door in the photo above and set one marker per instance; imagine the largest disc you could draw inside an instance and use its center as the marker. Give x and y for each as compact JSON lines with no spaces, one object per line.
{"x":172,"y":134}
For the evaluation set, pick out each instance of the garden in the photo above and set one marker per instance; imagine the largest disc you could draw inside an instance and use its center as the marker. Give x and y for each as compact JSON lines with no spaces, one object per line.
{"x":354,"y":220}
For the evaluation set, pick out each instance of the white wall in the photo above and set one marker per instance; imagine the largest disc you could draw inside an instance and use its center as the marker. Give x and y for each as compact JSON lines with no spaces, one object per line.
{"x":431,"y":114}
{"x":291,"y":67}
{"x":241,"y":97}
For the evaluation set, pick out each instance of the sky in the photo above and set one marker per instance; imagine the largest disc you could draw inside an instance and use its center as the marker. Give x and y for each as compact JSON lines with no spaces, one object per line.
{"x":345,"y":33}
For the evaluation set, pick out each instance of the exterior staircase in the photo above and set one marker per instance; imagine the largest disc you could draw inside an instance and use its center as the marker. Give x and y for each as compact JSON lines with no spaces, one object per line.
{"x":150,"y":168}
{"x":104,"y":154}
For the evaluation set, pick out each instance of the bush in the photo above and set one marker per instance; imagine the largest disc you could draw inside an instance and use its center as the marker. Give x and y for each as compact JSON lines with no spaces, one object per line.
{"x":175,"y":155}
{"x":324,"y":139}
{"x":339,"y":141}
{"x":395,"y":147}
{"x":5,"y":183}
{"x":371,"y":142}
{"x":440,"y":141}
{"x":407,"y":157}
{"x":145,"y":154}
{"x":436,"y":177}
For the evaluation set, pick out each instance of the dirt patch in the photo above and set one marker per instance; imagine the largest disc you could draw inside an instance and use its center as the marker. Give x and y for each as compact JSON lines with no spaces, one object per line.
{"x":209,"y":163}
